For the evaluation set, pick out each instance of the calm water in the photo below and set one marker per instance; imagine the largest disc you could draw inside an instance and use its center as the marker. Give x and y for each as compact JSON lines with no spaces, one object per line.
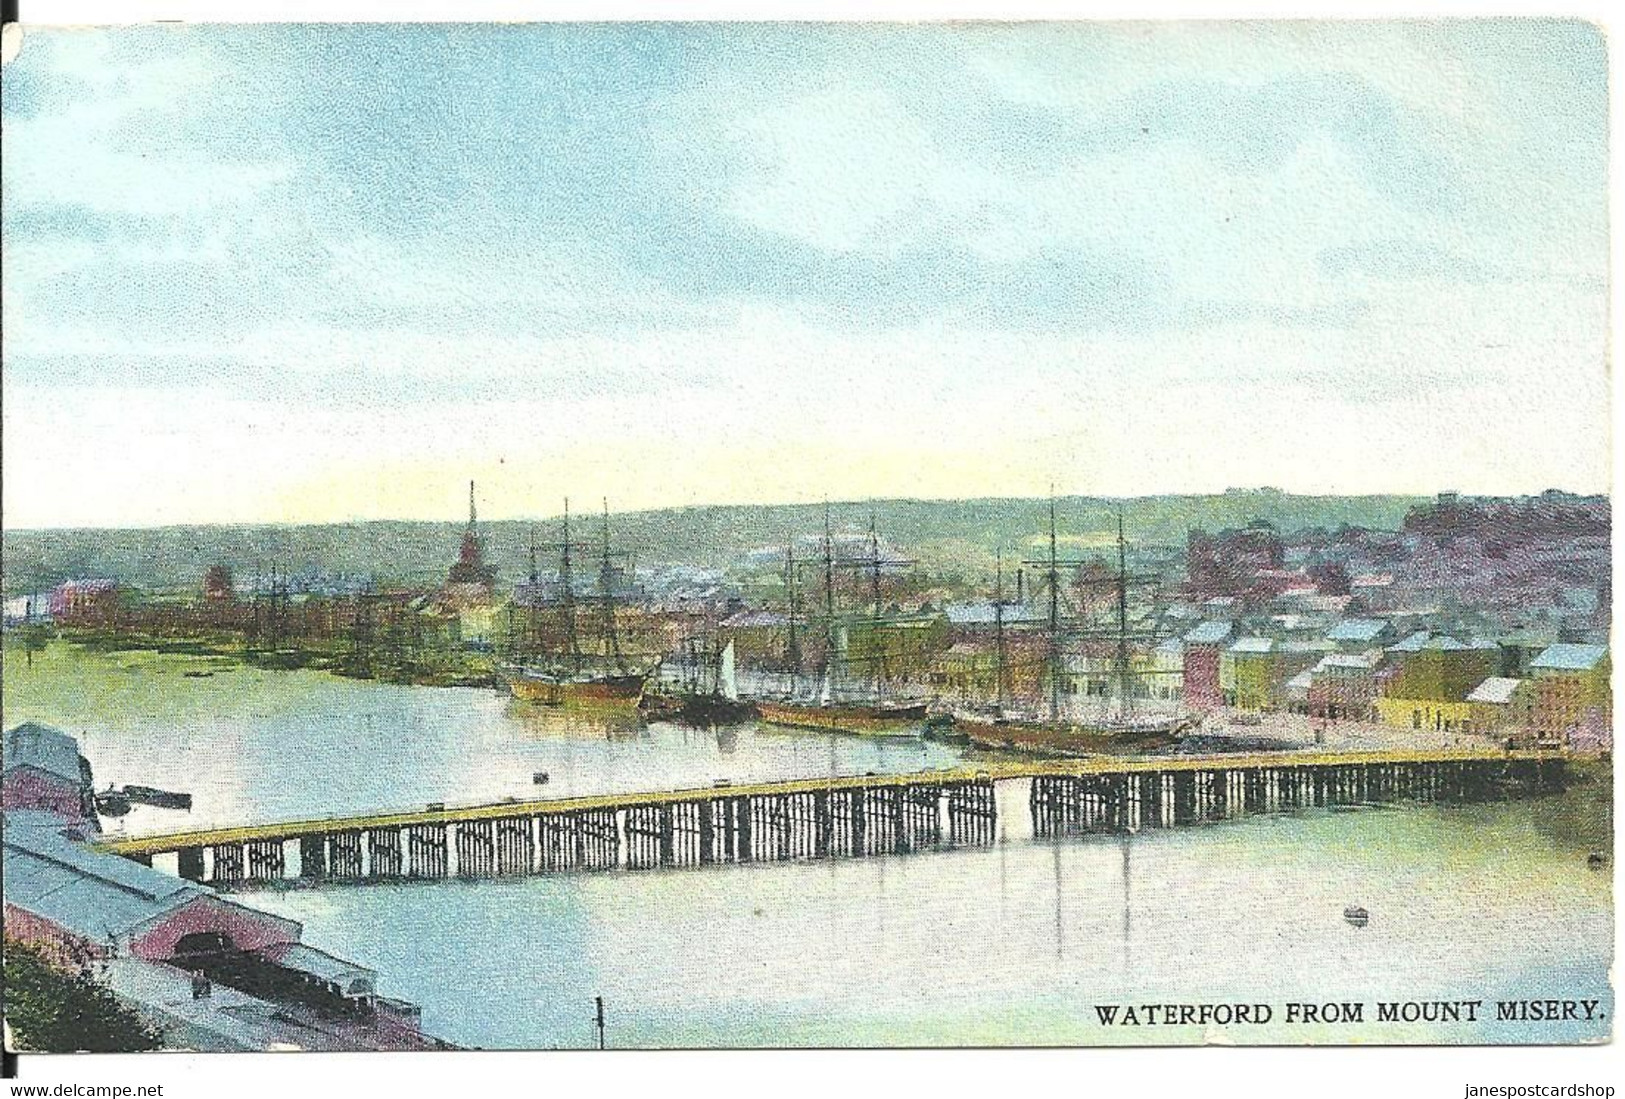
{"x":253,"y":745}
{"x":1013,"y":944}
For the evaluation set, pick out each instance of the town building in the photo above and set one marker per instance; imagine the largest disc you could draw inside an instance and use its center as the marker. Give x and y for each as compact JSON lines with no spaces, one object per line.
{"x":468,"y":596}
{"x":1200,"y":662}
{"x":1431,"y":677}
{"x":88,"y":603}
{"x":1501,"y":706}
{"x":1571,"y":686}
{"x":1343,"y":686}
{"x":44,"y":771}
{"x":1359,"y":634}
{"x":1254,"y":672}
{"x":1168,"y":669}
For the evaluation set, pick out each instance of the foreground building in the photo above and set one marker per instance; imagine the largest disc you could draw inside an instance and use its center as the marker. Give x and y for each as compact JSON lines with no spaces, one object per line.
{"x":208,"y":972}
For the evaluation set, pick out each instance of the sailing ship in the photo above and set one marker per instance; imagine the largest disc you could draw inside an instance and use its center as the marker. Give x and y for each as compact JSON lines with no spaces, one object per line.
{"x":838,"y":705}
{"x":707,"y":694}
{"x":607,"y":678}
{"x":1061,"y":732}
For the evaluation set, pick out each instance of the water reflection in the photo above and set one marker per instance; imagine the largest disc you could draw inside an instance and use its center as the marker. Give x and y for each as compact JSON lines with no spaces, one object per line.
{"x":914,"y":949}
{"x":584,"y":724}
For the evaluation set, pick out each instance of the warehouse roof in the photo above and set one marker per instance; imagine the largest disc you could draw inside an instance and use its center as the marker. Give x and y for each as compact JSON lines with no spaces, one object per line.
{"x":1360,"y":661}
{"x":986,"y":614}
{"x":1208,"y":633}
{"x":1570,"y":658}
{"x":1253,"y":645}
{"x":1356,"y":629}
{"x":351,"y":978}
{"x":1496,"y":689}
{"x":93,"y":894}
{"x":43,"y":748}
{"x":51,"y":873}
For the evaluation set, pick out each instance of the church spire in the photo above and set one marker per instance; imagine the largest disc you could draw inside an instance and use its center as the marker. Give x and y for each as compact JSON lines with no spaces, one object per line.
{"x":471,"y":567}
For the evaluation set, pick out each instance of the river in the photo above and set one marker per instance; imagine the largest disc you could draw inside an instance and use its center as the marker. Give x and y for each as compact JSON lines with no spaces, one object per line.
{"x":1019,"y":943}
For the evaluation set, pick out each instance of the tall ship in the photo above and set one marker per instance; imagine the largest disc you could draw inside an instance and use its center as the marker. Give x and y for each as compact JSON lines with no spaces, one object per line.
{"x":839,"y":696}
{"x":705,"y":693}
{"x":574,"y":675}
{"x":1126,"y":723}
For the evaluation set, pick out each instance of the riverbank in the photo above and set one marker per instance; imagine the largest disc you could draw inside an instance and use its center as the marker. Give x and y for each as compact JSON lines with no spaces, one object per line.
{"x":436,"y":667}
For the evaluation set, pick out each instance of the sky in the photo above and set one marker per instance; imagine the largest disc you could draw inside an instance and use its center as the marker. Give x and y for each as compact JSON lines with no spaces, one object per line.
{"x":327,"y":273}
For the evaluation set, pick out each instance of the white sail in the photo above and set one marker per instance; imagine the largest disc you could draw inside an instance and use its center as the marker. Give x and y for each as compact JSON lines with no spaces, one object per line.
{"x":727,"y":679}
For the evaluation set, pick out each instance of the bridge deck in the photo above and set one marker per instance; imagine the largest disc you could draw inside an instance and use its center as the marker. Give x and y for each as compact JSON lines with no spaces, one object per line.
{"x":997,"y":771}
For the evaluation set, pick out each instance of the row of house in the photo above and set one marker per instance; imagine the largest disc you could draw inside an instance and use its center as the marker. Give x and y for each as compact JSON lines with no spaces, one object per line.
{"x":1424,"y":681}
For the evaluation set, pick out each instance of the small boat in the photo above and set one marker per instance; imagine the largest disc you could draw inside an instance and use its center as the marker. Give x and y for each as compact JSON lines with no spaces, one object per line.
{"x":158,"y":799}
{"x":1356,"y":916}
{"x":1596,"y":860}
{"x":197,"y":675}
{"x":540,"y":778}
{"x":708,"y":710}
{"x":113,"y":803}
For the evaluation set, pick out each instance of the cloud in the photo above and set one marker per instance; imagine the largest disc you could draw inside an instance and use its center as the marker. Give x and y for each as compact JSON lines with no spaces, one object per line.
{"x":1052,"y":227}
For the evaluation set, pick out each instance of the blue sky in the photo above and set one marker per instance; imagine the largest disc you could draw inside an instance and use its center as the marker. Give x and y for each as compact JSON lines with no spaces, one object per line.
{"x":320,"y":273}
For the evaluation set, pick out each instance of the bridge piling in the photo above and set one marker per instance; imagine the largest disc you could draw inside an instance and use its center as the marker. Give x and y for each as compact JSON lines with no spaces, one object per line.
{"x":842,"y":816}
{"x":384,"y":858}
{"x":972,"y":812}
{"x":264,"y":860}
{"x":742,"y":815}
{"x":313,"y":857}
{"x":228,"y":863}
{"x":426,"y":850}
{"x":515,"y":846}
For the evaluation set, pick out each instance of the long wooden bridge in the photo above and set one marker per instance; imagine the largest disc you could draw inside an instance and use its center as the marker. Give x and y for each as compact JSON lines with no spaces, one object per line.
{"x":845,"y":816}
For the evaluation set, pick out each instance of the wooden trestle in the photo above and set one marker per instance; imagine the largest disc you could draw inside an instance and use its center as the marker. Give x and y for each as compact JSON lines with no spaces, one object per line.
{"x":846,"y":817}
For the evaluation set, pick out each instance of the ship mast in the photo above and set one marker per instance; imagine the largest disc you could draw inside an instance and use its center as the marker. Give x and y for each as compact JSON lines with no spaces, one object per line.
{"x":567,"y":595}
{"x":1054,"y":619}
{"x":275,"y":612}
{"x":1119,"y":581}
{"x":828,"y":669}
{"x":879,"y":669}
{"x":1122,"y":616}
{"x":606,"y":583}
{"x":792,"y":647}
{"x":1052,"y":575}
{"x":533,"y":599}
{"x":1001,"y":669}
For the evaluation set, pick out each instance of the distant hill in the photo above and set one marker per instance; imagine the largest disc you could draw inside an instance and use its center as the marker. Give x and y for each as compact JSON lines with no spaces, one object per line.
{"x":938,"y":532}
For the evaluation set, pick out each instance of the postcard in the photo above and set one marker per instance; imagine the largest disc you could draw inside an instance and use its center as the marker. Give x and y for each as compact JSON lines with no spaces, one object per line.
{"x":732,"y":535}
